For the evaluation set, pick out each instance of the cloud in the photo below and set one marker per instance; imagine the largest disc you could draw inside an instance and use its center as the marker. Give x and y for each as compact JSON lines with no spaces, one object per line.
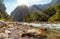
{"x":31,"y":2}
{"x":28,"y":1}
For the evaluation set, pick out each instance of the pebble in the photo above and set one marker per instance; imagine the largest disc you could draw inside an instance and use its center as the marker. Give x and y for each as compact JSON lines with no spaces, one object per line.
{"x":7,"y":31}
{"x":5,"y":35}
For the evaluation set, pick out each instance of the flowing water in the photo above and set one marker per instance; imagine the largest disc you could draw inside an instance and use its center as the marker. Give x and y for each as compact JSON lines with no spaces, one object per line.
{"x":45,"y":25}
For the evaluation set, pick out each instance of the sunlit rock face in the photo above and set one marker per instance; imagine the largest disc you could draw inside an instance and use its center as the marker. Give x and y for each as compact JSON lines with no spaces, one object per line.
{"x":19,"y":13}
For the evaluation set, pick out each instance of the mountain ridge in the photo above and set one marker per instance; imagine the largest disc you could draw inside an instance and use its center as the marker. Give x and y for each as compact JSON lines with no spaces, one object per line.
{"x":31,"y":9}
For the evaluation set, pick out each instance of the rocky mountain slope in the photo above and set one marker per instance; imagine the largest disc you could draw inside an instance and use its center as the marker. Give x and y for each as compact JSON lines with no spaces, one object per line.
{"x":19,"y":13}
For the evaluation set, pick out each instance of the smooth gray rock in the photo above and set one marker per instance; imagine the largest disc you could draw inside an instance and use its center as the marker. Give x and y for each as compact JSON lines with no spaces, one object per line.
{"x":2,"y":24}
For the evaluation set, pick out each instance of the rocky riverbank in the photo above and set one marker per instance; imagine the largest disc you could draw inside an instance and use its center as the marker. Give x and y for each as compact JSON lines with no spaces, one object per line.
{"x":16,"y":30}
{"x":21,"y":31}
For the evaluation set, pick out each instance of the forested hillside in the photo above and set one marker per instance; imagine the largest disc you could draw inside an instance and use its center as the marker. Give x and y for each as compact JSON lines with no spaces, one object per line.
{"x":52,"y":13}
{"x":56,"y":16}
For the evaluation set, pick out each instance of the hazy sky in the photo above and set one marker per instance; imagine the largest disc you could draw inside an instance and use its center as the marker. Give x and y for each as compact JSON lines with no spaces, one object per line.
{"x":12,"y":4}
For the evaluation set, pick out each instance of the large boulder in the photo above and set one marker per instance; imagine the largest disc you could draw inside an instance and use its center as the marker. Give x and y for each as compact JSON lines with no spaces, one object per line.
{"x":34,"y":32}
{"x":2,"y":24}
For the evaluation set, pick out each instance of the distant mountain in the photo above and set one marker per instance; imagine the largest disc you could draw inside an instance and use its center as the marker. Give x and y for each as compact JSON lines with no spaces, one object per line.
{"x":20,"y":12}
{"x":35,"y":8}
{"x":55,"y":2}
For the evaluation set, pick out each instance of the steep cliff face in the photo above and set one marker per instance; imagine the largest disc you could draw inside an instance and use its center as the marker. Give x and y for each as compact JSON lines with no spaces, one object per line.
{"x":3,"y":13}
{"x":19,"y":13}
{"x":2,"y":6}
